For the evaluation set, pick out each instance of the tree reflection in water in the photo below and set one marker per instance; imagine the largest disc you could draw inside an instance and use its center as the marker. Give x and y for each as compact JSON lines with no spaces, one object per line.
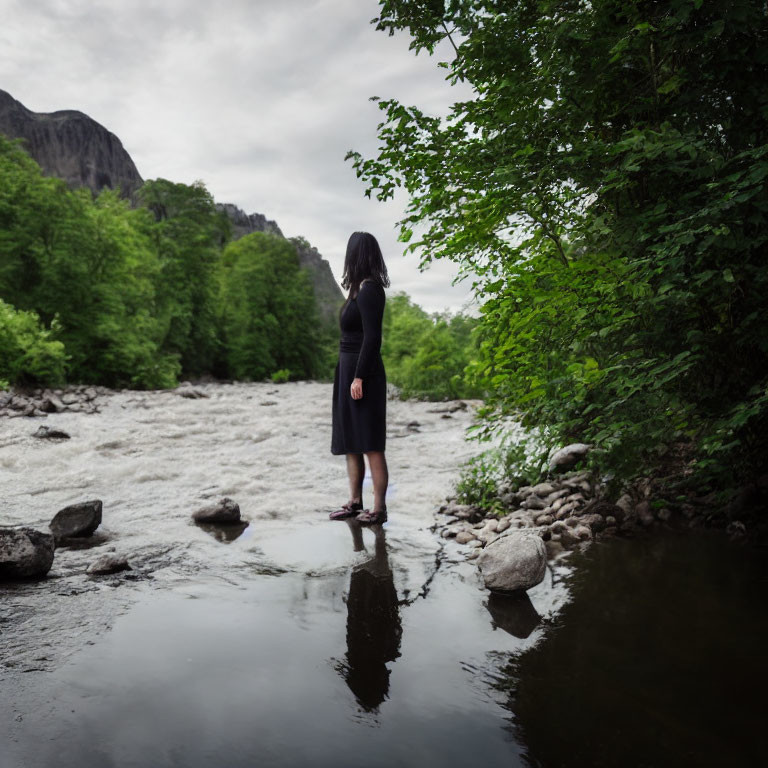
{"x":374,"y":629}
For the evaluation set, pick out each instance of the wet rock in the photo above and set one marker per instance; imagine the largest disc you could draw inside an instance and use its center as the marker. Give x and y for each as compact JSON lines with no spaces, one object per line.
{"x":571,"y":537}
{"x":566,"y":510}
{"x":626,"y":505}
{"x":595,"y":521}
{"x":49,"y":433}
{"x":644,"y":514}
{"x":77,"y":520}
{"x":109,"y":564}
{"x":568,"y":457}
{"x":185,"y":389}
{"x":514,"y":562}
{"x":610,"y":521}
{"x":225,"y":511}
{"x":534,"y":502}
{"x":25,"y":553}
{"x":53,"y":404}
{"x":582,"y":532}
{"x":555,"y":495}
{"x":736,"y":529}
{"x":554,"y":548}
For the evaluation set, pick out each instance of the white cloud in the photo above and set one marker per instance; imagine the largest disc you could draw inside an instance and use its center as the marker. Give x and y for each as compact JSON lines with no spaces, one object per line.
{"x":260,"y":100}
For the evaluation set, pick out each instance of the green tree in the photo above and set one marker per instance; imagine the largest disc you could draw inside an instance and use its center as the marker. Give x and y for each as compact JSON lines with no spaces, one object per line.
{"x":606,"y":182}
{"x":426,"y":355}
{"x":86,"y":268}
{"x":268,"y":313}
{"x":187,"y":237}
{"x":27,"y":352}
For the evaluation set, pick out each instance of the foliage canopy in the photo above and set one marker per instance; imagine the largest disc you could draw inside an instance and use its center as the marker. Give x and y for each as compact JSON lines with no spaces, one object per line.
{"x":606,"y":185}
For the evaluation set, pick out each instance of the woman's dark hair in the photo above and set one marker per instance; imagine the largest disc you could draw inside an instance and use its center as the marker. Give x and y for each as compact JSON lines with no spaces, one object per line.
{"x":363,"y":260}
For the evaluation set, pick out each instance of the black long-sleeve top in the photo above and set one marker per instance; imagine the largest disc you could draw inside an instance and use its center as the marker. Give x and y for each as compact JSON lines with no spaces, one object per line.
{"x":360,"y":322}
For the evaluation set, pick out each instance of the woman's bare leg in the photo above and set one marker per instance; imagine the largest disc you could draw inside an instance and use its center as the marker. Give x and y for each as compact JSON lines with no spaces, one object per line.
{"x":356,"y":473}
{"x":380,"y":476}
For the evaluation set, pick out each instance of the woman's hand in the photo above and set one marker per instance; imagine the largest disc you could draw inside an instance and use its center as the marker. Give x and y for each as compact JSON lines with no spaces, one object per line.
{"x":356,"y":389}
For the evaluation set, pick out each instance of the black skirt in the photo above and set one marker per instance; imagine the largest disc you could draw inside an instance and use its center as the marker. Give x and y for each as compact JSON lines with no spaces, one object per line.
{"x":360,"y":425}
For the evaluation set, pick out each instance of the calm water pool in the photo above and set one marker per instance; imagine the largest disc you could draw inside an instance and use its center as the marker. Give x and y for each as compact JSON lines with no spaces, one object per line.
{"x":636,"y":653}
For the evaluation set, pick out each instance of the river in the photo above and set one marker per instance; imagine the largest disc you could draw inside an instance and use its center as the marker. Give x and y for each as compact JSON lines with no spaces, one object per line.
{"x":302,"y":641}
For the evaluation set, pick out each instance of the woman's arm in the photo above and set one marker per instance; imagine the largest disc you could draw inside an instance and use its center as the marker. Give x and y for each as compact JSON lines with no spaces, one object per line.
{"x":370,"y":302}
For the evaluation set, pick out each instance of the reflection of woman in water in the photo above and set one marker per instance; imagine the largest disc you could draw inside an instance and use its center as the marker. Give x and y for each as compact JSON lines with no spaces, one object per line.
{"x":360,"y":385}
{"x":373,"y":624}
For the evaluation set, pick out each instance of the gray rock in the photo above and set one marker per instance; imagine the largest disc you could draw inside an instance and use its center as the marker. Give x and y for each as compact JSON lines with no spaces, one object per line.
{"x":534,"y":502}
{"x":594,"y":521}
{"x":514,"y":562}
{"x":69,"y":398}
{"x":53,"y":404}
{"x":77,"y":520}
{"x":109,"y":564}
{"x":543,"y":489}
{"x":49,"y":433}
{"x":186,"y":390}
{"x":582,"y":532}
{"x":224,"y":511}
{"x":568,"y":457}
{"x":544,"y":520}
{"x":25,"y":553}
{"x":626,"y":505}
{"x":504,"y":523}
{"x":464,"y":537}
{"x":644,"y":514}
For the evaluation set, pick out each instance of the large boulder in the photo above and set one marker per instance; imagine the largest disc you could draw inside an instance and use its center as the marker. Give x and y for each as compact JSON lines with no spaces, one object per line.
{"x":514,"y":562}
{"x":226,"y":512}
{"x":25,"y":553}
{"x":77,"y":520}
{"x":568,"y":457}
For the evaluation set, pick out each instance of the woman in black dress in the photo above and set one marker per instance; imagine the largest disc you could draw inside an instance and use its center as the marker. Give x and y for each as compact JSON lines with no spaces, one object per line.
{"x":360,"y":384}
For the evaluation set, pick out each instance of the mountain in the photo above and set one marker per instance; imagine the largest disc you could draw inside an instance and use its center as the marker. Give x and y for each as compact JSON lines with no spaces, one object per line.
{"x":70,"y":145}
{"x":74,"y":147}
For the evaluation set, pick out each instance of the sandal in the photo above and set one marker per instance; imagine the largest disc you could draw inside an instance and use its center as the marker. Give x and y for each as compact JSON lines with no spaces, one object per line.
{"x":350,"y":509}
{"x":372,"y":517}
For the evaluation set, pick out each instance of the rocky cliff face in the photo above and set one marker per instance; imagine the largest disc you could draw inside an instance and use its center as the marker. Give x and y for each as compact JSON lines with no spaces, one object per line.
{"x":328,"y":295}
{"x":244,"y":223}
{"x":70,"y":145}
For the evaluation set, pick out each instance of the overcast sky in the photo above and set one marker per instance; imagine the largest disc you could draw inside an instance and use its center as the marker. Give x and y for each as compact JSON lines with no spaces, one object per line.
{"x":260,"y":99}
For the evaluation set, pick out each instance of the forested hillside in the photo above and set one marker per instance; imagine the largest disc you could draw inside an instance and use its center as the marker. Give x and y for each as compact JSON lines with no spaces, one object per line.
{"x":99,"y":291}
